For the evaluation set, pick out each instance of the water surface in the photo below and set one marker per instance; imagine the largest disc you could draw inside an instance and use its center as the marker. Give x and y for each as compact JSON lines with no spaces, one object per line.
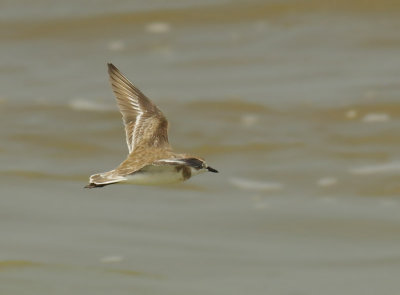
{"x":296,"y":103}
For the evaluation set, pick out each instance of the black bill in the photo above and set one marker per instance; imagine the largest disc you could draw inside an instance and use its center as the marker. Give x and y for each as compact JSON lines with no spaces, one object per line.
{"x":212,"y":169}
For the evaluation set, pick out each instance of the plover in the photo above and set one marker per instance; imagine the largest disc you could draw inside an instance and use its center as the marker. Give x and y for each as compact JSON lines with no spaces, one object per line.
{"x":151,"y":160}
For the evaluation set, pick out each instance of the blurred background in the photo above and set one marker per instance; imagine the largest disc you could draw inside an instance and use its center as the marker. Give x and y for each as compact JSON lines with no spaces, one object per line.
{"x":296,"y":103}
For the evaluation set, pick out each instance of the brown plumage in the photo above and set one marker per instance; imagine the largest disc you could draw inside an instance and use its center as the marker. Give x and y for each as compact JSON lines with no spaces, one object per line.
{"x":144,"y":123}
{"x":146,"y":131}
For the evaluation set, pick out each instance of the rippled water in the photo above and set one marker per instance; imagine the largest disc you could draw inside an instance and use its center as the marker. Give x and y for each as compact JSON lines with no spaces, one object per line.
{"x":296,"y":103}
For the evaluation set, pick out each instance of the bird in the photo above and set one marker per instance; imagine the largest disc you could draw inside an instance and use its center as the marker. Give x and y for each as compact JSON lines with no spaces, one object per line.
{"x":151,"y":160}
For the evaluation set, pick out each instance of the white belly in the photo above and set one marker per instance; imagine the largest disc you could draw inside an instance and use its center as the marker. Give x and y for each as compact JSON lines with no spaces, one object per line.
{"x":153,"y":175}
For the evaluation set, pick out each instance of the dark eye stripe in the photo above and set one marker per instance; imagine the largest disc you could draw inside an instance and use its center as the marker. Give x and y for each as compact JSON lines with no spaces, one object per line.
{"x":195,"y":163}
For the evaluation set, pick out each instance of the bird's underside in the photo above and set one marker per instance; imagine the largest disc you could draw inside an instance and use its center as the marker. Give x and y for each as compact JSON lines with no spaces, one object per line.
{"x":150,"y":166}
{"x":148,"y":175}
{"x":141,"y":162}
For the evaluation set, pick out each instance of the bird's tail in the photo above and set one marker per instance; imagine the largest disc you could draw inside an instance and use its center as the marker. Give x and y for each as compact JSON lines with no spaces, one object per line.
{"x":103,"y":179}
{"x":93,"y":185}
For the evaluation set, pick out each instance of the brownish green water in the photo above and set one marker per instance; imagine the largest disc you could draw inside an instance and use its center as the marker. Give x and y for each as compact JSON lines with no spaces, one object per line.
{"x":296,"y":103}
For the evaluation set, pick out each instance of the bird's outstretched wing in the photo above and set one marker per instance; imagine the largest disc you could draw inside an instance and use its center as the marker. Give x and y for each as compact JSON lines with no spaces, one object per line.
{"x":145,"y":124}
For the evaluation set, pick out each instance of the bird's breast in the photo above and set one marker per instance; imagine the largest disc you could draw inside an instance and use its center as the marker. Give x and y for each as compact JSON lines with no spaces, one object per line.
{"x":153,"y":175}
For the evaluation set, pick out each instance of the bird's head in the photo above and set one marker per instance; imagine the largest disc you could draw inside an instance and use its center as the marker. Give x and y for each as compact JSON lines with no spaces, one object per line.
{"x":199,"y":165}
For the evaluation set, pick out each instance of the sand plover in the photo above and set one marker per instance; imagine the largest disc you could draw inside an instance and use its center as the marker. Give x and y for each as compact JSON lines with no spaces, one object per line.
{"x":151,"y":160}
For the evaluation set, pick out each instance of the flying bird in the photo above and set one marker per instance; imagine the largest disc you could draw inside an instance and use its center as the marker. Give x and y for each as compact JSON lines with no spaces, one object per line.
{"x":151,"y":160}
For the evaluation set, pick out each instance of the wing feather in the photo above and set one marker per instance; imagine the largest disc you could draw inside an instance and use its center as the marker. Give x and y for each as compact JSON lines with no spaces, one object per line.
{"x":144,"y":123}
